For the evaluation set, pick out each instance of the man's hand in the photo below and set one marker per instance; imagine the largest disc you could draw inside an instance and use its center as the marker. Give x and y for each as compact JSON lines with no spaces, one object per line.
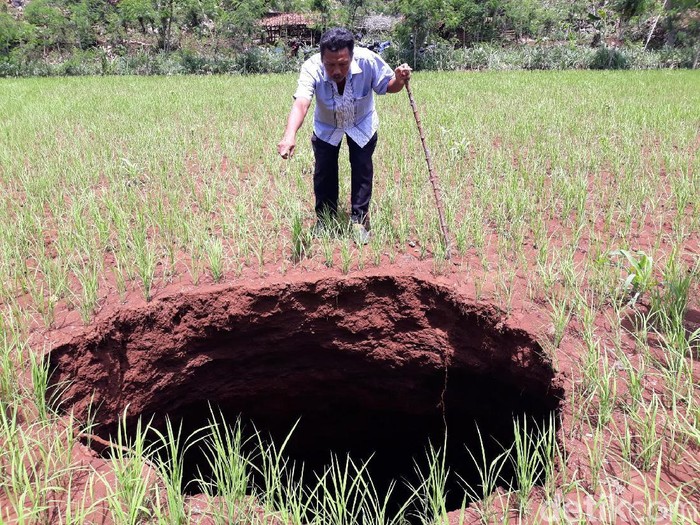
{"x":403,"y":72}
{"x":296,"y":118}
{"x":401,"y":76}
{"x":286,"y":147}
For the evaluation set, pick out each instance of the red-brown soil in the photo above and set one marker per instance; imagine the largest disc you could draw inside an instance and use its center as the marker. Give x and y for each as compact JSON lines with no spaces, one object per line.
{"x":386,"y":340}
{"x":272,"y":337}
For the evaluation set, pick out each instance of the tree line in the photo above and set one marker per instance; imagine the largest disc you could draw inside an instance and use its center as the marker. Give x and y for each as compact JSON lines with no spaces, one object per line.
{"x":229,"y":32}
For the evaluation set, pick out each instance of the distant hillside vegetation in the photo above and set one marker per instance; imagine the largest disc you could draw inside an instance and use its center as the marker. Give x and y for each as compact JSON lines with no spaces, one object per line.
{"x":45,"y":37}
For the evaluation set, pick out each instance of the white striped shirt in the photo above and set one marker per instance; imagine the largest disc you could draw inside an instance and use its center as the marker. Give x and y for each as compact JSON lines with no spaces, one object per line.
{"x":353,"y":112}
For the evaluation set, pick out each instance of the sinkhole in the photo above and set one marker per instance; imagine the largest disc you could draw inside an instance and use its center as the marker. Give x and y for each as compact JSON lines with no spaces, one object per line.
{"x":370,"y":366}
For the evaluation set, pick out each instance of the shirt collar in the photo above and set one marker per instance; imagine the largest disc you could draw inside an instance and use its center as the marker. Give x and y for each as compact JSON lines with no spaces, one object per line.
{"x":355,"y":69}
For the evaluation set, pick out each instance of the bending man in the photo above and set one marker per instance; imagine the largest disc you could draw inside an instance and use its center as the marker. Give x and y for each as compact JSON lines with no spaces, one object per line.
{"x":344,"y":80}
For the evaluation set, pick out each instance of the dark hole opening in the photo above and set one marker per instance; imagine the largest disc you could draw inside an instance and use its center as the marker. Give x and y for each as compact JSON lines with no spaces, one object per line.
{"x":332,"y":421}
{"x":369,"y":367}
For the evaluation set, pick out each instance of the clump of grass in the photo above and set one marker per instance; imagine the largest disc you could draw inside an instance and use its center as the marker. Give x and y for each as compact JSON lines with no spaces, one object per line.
{"x":300,"y":238}
{"x":489,"y":478}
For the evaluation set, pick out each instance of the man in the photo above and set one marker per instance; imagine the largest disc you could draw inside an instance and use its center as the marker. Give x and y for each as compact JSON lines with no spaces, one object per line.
{"x":343,"y":78}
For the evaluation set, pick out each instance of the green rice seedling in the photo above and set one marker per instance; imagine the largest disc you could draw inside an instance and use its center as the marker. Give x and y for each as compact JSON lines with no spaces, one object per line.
{"x":196,"y":263}
{"x":668,"y":308}
{"x":649,"y":436}
{"x":549,"y":276}
{"x":616,"y":331}
{"x":300,"y":239}
{"x":677,"y":372}
{"x":345,"y":257}
{"x":461,"y":233}
{"x":273,"y":465}
{"x":169,"y":454}
{"x":8,"y":381}
{"x":129,"y":497}
{"x":79,"y":504}
{"x":626,"y":448}
{"x":361,"y":259}
{"x":587,"y":317}
{"x":214,"y":249}
{"x":40,"y":373}
{"x":376,"y":509}
{"x":506,"y":283}
{"x":101,"y":225}
{"x":573,"y":281}
{"x":145,"y":259}
{"x":560,"y":315}
{"x":119,"y":279}
{"x":260,"y":247}
{"x":88,"y":276}
{"x":31,"y":466}
{"x":527,"y":461}
{"x":489,"y":477}
{"x":25,"y":512}
{"x":431,"y":494}
{"x":550,"y":453}
{"x":55,"y":273}
{"x":596,"y":453}
{"x":635,"y":379}
{"x":376,"y":245}
{"x":440,"y":260}
{"x":228,"y":463}
{"x":403,"y":228}
{"x":341,"y":492}
{"x":297,"y":500}
{"x":328,"y":250}
{"x":606,"y":390}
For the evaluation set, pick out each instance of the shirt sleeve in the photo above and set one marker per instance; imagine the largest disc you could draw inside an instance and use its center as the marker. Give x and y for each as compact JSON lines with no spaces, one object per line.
{"x":306,"y":85}
{"x":382,"y":74}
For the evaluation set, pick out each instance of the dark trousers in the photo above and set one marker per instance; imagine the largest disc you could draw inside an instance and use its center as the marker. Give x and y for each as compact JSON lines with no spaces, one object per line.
{"x":326,"y":177}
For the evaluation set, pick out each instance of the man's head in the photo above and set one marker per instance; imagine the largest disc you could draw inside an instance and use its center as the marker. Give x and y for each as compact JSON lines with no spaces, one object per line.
{"x":337,"y":45}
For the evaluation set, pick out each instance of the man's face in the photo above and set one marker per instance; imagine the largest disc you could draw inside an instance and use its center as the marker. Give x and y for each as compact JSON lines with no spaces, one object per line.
{"x":337,"y":63}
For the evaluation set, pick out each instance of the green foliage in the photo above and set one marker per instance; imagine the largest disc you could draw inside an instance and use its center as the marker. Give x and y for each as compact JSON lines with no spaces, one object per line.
{"x":49,"y":23}
{"x":609,"y":58}
{"x":640,"y":277}
{"x":84,"y":18}
{"x":11,"y":32}
{"x":51,"y":37}
{"x":137,"y":13}
{"x":631,"y":8}
{"x":682,"y":24}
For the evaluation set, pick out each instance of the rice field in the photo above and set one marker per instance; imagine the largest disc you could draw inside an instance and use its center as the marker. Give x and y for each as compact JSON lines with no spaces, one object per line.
{"x":572,"y":192}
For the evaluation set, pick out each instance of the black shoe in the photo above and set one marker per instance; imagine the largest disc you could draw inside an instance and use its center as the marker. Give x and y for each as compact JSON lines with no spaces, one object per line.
{"x":364,"y":221}
{"x":320,"y":229}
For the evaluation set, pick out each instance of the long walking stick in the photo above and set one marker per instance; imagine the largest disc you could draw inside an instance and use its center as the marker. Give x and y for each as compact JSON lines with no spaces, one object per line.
{"x":433,"y":179}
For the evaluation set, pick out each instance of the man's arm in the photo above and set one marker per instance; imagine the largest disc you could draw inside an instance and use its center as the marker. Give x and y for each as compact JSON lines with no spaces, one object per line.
{"x":401,"y":75}
{"x":296,"y":118}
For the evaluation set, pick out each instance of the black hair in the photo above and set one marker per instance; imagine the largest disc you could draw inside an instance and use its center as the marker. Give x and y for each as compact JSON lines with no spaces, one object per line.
{"x":336,"y":39}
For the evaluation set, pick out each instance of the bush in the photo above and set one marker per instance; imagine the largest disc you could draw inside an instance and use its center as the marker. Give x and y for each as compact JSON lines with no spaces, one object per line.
{"x":81,"y":63}
{"x":9,"y":68}
{"x":10,"y":33}
{"x":557,"y":57}
{"x":22,"y":61}
{"x":609,"y":58}
{"x":266,"y":60}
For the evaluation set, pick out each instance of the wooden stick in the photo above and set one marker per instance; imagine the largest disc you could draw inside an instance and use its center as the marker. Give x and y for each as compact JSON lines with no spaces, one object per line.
{"x":433,"y":179}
